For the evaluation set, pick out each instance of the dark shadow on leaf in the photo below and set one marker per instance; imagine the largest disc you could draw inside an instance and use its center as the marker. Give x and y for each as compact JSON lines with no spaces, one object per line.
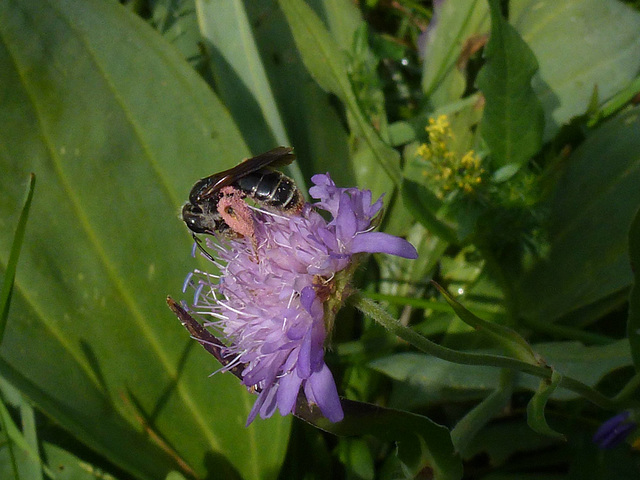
{"x":92,"y":359}
{"x":550,"y":103}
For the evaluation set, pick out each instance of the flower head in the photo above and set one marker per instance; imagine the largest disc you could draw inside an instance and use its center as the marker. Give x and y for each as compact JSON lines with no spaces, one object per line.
{"x":273,"y":301}
{"x":445,"y":169}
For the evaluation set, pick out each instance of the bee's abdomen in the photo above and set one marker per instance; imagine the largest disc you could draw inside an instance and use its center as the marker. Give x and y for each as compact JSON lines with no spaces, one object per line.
{"x":271,"y":189}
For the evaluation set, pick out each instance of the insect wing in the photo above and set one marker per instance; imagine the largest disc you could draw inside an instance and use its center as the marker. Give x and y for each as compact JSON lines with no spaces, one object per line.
{"x":208,"y":186}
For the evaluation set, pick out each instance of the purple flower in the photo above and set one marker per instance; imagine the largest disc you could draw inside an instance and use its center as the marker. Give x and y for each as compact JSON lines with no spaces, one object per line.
{"x":615,"y":430}
{"x":273,"y":301}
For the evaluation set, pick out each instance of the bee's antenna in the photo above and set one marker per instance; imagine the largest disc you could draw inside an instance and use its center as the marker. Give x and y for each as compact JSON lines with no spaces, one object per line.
{"x":201,"y":248}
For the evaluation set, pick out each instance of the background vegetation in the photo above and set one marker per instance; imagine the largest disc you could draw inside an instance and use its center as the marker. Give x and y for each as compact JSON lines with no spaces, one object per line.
{"x":506,"y":137}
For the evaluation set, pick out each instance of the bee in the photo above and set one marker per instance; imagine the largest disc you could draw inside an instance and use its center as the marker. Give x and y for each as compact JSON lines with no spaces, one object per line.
{"x":215,"y":202}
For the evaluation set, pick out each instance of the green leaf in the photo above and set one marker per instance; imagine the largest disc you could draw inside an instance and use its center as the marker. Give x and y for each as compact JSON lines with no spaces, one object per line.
{"x":536,"y":406}
{"x":321,"y":140}
{"x":497,"y":441}
{"x":591,"y":210}
{"x":14,"y":437}
{"x":28,"y":418}
{"x":22,"y":446}
{"x":342,"y":18}
{"x":425,"y":208}
{"x":580,"y":45}
{"x":421,"y":442}
{"x":69,"y":467}
{"x":354,"y":453}
{"x":633,"y":325}
{"x":424,"y":380}
{"x":513,"y":119}
{"x":177,"y":21}
{"x":454,"y":24}
{"x":12,"y":262}
{"x":118,"y":128}
{"x":327,"y":64}
{"x":240,"y":76}
{"x":585,"y":364}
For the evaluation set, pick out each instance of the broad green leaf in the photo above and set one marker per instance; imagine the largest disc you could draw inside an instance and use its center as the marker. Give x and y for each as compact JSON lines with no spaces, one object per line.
{"x":633,"y":325}
{"x":421,"y":442}
{"x":454,"y":25}
{"x":327,"y":64}
{"x":299,"y":463}
{"x":586,"y":364}
{"x":355,"y":454}
{"x":535,"y":408}
{"x":425,"y":208}
{"x":69,"y":467}
{"x":424,"y":380}
{"x":497,"y":442}
{"x":12,"y":262}
{"x":590,"y":214}
{"x":580,"y":45}
{"x":406,"y":277}
{"x":320,"y":141}
{"x":177,"y":21}
{"x":240,"y":76}
{"x":513,"y":119}
{"x":343,"y":19}
{"x":117,"y":128}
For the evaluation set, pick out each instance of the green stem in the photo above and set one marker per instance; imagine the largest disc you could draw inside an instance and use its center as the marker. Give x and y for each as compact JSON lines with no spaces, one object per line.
{"x":410,"y":301}
{"x":372,"y":309}
{"x":631,"y":386}
{"x":469,"y":426}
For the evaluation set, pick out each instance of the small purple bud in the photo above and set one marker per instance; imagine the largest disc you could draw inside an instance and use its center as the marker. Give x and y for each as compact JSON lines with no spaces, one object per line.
{"x":614,"y":431}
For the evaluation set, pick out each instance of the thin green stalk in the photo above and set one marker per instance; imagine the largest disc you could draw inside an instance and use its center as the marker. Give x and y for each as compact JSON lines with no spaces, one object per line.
{"x":12,"y":264}
{"x":372,"y":309}
{"x":4,"y":422}
{"x":469,"y":426}
{"x":620,"y":100}
{"x":410,"y":301}
{"x":629,"y":389}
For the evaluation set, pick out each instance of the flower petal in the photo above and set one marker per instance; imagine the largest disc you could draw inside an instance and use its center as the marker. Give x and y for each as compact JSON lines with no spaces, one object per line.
{"x":378,"y":242}
{"x":322,"y":389}
{"x":288,"y":392}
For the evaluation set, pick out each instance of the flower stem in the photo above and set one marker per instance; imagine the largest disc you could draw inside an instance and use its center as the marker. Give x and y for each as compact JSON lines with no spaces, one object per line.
{"x":628,"y":390}
{"x":376,"y":312}
{"x":469,"y":426}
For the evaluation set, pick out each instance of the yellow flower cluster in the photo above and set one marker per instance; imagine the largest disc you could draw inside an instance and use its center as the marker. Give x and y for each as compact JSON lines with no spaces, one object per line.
{"x":447,"y":170}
